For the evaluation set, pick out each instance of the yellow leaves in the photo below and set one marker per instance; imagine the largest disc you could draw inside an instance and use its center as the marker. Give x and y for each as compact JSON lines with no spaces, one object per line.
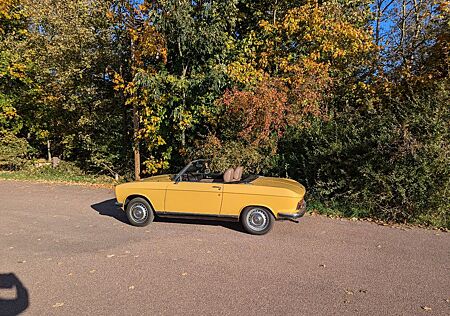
{"x":244,"y":73}
{"x":10,"y":113}
{"x":324,"y":33}
{"x":16,"y":71}
{"x":143,"y":7}
{"x":153,"y":165}
{"x":119,"y":83}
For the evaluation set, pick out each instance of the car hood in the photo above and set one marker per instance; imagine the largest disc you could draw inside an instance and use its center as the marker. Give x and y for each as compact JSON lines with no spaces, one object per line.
{"x":160,"y":178}
{"x":289,"y":184}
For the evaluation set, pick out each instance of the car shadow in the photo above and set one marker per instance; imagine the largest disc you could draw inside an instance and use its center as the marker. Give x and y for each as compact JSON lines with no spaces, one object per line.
{"x":13,"y":306}
{"x":230,"y":225}
{"x":108,"y":208}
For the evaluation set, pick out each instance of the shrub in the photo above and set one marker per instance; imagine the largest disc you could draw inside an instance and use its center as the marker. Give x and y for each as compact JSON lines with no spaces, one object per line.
{"x":13,"y":151}
{"x":391,"y":163}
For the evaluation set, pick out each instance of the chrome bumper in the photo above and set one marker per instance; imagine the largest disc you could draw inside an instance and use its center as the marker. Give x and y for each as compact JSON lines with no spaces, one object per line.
{"x":292,"y":216}
{"x":117,"y":204}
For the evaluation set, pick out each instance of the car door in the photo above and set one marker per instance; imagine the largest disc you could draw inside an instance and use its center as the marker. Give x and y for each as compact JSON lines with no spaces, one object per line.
{"x":194,"y":198}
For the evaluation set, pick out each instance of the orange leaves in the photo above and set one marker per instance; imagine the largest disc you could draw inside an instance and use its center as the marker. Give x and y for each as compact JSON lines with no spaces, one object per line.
{"x":147,"y":44}
{"x":259,"y":112}
{"x":308,"y":86}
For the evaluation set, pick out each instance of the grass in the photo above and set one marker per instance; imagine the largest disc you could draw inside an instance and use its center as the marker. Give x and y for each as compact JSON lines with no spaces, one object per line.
{"x":439,"y":220}
{"x":65,"y":173}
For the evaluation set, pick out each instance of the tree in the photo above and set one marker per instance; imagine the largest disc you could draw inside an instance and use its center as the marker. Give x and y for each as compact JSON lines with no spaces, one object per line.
{"x":145,"y":49}
{"x":286,"y":69}
{"x":74,"y":107}
{"x":177,"y":87}
{"x":15,"y":80}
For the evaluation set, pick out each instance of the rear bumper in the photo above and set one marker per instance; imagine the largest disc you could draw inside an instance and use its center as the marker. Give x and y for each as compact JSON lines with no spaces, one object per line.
{"x":300,"y":212}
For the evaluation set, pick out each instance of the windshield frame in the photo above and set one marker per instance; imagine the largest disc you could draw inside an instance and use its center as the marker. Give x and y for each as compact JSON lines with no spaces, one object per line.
{"x":179,"y":175}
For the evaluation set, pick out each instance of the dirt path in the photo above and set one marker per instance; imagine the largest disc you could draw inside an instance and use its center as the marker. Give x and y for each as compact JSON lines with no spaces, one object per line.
{"x":66,"y":250}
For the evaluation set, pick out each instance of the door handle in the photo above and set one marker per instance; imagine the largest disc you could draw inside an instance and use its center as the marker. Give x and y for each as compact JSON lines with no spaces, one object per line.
{"x":217,"y":187}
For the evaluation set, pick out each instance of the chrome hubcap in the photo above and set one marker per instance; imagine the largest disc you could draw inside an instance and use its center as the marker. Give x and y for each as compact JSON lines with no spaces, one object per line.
{"x":139,"y":212}
{"x":258,"y":219}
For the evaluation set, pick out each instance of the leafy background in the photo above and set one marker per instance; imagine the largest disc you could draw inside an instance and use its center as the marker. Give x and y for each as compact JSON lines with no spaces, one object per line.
{"x":348,"y":97}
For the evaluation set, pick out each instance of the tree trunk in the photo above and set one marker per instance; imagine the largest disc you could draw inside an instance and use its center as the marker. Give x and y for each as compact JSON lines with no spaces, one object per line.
{"x":49,"y":152}
{"x":137,"y":156}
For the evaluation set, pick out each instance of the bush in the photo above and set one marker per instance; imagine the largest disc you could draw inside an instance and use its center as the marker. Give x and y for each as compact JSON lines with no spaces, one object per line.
{"x":13,"y":151}
{"x":390,"y":163}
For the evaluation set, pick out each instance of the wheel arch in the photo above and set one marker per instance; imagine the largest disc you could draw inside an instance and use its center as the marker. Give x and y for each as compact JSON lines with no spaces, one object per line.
{"x":133,"y":196}
{"x":256,"y":205}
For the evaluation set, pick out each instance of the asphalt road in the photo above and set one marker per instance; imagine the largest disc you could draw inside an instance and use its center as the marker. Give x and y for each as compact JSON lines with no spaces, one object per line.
{"x":66,"y":250}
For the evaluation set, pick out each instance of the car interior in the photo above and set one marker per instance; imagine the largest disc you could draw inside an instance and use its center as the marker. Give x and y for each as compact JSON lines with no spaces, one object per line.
{"x":200,"y":172}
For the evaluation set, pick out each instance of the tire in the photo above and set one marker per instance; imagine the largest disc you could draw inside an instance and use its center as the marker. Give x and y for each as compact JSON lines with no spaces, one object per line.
{"x":257,"y":220}
{"x":139,"y":212}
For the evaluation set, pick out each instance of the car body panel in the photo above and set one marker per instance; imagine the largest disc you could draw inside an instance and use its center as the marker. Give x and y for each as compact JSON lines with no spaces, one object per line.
{"x":278,"y":195}
{"x":221,"y":199}
{"x":194,"y":198}
{"x":154,"y":192}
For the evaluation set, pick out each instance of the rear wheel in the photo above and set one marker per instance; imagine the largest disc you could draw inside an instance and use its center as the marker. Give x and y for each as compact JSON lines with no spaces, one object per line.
{"x":139,"y":212}
{"x":257,"y":220}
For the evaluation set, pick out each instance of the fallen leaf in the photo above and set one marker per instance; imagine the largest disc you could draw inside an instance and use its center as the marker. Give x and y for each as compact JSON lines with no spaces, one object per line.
{"x":131,"y":287}
{"x":127,"y":251}
{"x":11,"y":247}
{"x":184,"y":273}
{"x":92,"y":271}
{"x":110,"y":256}
{"x":362,"y":291}
{"x":322,"y":265}
{"x":69,"y":273}
{"x":21,"y":261}
{"x":349,"y":292}
{"x":447,"y":300}
{"x":426,"y":308}
{"x":378,"y":246}
{"x":58,"y":304}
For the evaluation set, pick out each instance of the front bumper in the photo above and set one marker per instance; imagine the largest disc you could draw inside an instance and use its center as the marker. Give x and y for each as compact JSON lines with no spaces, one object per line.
{"x":117,"y":204}
{"x":292,"y":216}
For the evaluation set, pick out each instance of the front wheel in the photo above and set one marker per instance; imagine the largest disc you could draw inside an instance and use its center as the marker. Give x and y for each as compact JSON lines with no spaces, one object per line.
{"x":139,"y":212}
{"x":257,"y":220}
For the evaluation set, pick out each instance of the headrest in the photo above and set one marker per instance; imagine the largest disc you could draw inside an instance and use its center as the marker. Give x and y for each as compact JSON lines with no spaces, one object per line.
{"x":228,"y":175}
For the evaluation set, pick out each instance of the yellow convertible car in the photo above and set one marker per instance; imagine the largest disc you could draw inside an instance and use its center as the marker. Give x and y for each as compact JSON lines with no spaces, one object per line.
{"x":196,"y":192}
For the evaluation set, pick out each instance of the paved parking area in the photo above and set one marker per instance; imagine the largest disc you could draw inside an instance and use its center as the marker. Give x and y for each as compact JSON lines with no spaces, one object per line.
{"x":66,"y":250}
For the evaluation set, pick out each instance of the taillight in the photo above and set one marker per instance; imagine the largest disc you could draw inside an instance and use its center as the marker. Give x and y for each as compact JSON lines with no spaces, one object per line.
{"x":300,"y":204}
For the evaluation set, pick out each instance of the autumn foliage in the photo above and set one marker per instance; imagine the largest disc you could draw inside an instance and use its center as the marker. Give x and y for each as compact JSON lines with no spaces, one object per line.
{"x":349,"y":97}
